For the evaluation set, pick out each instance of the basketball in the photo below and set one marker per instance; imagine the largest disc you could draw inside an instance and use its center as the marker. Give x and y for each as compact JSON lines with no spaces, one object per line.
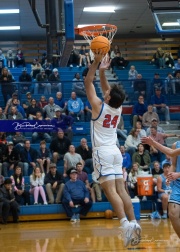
{"x":100,"y":43}
{"x":108,"y":214}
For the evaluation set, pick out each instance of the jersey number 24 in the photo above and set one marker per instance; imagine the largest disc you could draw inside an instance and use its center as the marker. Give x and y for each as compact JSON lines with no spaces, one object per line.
{"x":108,"y":121}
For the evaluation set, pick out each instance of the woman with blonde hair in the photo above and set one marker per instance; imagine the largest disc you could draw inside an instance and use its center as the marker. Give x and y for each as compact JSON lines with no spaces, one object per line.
{"x":37,"y":182}
{"x":132,"y":179}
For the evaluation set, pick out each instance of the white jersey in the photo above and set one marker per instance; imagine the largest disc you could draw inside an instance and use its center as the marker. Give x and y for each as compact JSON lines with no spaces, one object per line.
{"x":104,"y":127}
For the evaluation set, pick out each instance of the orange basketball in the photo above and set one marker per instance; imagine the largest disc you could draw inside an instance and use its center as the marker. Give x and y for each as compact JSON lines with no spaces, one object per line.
{"x":100,"y":43}
{"x":108,"y":214}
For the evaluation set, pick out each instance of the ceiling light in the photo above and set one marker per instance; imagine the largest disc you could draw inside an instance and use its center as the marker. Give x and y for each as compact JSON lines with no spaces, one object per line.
{"x":100,"y":9}
{"x":6,"y":28}
{"x":9,"y":11}
{"x":171,"y":24}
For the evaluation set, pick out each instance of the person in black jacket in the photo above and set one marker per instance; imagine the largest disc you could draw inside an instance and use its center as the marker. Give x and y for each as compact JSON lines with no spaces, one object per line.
{"x":7,"y":202}
{"x":26,"y":79}
{"x":54,"y":184}
{"x":7,"y":86}
{"x":28,"y":157}
{"x":59,"y":146}
{"x":86,"y":153}
{"x":11,"y":158}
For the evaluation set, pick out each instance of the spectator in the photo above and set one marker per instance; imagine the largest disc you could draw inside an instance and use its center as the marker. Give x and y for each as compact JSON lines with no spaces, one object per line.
{"x":28,"y":157}
{"x":49,"y":109}
{"x":27,"y":102}
{"x":142,"y":158}
{"x":132,"y":74}
{"x":59,"y":100}
{"x":37,"y":182}
{"x":121,"y":132}
{"x":166,"y":160}
{"x":157,"y":83}
{"x":3,"y":138}
{"x":169,"y":60}
{"x":74,"y":57}
{"x":44,"y":157}
{"x":154,"y":122}
{"x":47,"y":66}
{"x":164,"y":188}
{"x":139,"y":109}
{"x":42,"y":82}
{"x":78,"y":85}
{"x":7,"y":87}
{"x":156,"y":171}
{"x":97,"y":188}
{"x":19,"y":59}
{"x":19,"y":187}
{"x":126,"y":158}
{"x":88,"y":111}
{"x":32,"y":110}
{"x":2,"y":115}
{"x":14,"y":114}
{"x":9,"y":102}
{"x":2,"y":60}
{"x":114,"y":51}
{"x":169,"y":84}
{"x":83,"y":177}
{"x":84,"y":58}
{"x":63,"y":122}
{"x":149,"y":116}
{"x":7,"y":202}
{"x":140,"y":86}
{"x":132,"y":180}
{"x":35,"y":68}
{"x":26,"y":80}
{"x":176,"y":82}
{"x":11,"y":158}
{"x":19,"y":108}
{"x":132,"y":141}
{"x":118,"y":61}
{"x":75,"y":107}
{"x":36,"y":136}
{"x":159,"y":104}
{"x":54,"y":184}
{"x":142,"y":132}
{"x":10,"y":59}
{"x":159,"y":58}
{"x":86,"y":153}
{"x":59,"y":146}
{"x":75,"y":193}
{"x":71,"y":158}
{"x":54,"y":78}
{"x":42,"y":103}
{"x":177,"y":65}
{"x":18,"y":140}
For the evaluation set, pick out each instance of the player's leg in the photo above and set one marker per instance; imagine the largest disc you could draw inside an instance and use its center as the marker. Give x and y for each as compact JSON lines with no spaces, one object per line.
{"x":174,"y":215}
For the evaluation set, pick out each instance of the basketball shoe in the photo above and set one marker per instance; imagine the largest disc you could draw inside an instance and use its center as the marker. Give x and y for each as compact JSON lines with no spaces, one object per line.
{"x":131,"y":234}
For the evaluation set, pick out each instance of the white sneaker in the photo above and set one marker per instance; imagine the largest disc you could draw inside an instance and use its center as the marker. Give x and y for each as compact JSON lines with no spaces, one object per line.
{"x":129,"y":234}
{"x":137,"y":235}
{"x":73,"y":218}
{"x":45,"y":203}
{"x":144,"y":198}
{"x":71,"y":65}
{"x":167,"y":122}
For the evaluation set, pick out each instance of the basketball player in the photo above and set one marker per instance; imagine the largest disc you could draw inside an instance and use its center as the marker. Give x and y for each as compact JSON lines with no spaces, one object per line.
{"x":174,"y":175}
{"x":107,"y":158}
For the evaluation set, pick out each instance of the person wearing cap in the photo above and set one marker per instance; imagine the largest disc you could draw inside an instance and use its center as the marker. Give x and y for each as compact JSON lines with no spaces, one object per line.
{"x":7,"y":202}
{"x":10,"y":101}
{"x":64,"y":122}
{"x":154,"y":122}
{"x":149,"y":116}
{"x":75,"y":107}
{"x":42,"y":82}
{"x":49,"y":109}
{"x":54,"y":78}
{"x":25,"y":79}
{"x":26,"y":103}
{"x":54,"y":183}
{"x":11,"y":158}
{"x":164,"y":188}
{"x":159,"y":104}
{"x":75,"y":193}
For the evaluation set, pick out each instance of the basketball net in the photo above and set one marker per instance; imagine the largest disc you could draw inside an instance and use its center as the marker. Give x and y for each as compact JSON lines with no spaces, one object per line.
{"x":92,"y":31}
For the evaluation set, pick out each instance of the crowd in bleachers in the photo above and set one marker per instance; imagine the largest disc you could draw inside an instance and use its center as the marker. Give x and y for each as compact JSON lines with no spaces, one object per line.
{"x":57,"y":152}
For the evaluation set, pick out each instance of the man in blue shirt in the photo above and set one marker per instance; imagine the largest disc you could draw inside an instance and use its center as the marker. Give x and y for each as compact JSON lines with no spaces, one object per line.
{"x":126,"y":158}
{"x":159,"y":104}
{"x":138,"y":110}
{"x":75,"y":195}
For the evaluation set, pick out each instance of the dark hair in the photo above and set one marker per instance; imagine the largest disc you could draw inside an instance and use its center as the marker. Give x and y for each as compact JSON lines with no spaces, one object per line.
{"x":153,"y":127}
{"x":117,"y":96}
{"x":17,"y":177}
{"x":79,"y":163}
{"x":7,"y":181}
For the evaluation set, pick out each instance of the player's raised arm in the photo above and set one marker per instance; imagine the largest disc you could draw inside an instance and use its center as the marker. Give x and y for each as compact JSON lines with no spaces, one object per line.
{"x":103,"y":80}
{"x":90,"y":89}
{"x":168,"y":151}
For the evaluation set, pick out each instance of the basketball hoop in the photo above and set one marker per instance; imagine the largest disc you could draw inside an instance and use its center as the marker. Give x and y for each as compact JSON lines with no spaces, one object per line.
{"x":92,"y":31}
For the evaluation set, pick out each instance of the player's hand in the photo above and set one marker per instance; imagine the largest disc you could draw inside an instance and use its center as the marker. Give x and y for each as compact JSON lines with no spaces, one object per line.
{"x":147,"y":140}
{"x":98,"y":56}
{"x":86,"y":200}
{"x":71,"y":204}
{"x":173,"y":176}
{"x":105,"y":63}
